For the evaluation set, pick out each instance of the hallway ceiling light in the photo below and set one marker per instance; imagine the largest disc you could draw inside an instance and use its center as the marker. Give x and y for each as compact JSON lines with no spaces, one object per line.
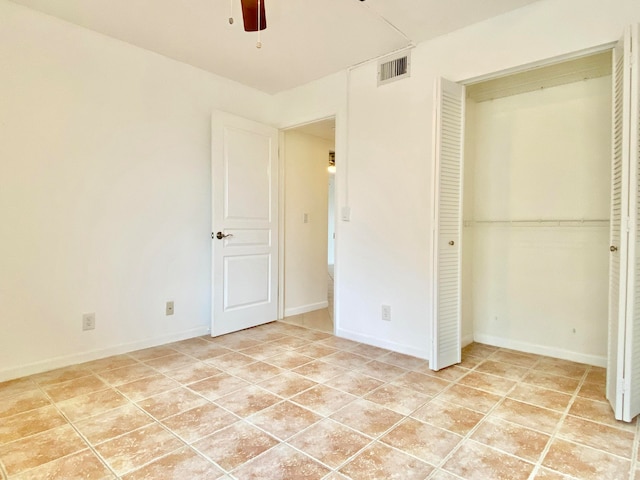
{"x":332,"y":162}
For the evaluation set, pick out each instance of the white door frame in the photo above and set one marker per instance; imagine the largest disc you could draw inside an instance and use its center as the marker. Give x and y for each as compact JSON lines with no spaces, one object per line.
{"x":340,"y":158}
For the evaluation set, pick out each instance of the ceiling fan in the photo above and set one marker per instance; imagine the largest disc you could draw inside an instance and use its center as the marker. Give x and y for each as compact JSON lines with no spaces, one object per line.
{"x":253,"y":15}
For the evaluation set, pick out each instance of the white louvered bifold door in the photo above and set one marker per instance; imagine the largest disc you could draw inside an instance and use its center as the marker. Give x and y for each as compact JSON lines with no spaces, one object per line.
{"x":631,"y":382}
{"x":448,"y":161}
{"x":623,"y":369}
{"x":617,"y":274}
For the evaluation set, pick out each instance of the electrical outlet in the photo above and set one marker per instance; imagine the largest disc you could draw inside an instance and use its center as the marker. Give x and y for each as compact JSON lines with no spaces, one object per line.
{"x":169,"y":308}
{"x":89,"y":321}
{"x":386,"y":313}
{"x":305,"y":218}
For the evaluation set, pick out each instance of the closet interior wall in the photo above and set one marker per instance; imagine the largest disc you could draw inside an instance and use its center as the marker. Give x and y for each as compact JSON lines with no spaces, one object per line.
{"x":536,"y":220}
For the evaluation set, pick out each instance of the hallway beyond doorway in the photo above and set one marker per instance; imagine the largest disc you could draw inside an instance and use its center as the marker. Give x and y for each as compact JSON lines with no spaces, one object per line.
{"x":321,"y":319}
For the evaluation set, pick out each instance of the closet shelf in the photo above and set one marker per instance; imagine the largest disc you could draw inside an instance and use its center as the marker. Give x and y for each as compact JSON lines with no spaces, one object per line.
{"x":560,"y":222}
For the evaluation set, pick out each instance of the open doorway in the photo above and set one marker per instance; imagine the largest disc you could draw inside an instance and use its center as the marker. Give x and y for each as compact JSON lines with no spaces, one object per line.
{"x":309,"y":259}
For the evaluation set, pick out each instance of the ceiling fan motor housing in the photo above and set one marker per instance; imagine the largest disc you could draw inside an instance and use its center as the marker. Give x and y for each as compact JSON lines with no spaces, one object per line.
{"x":252,"y":10}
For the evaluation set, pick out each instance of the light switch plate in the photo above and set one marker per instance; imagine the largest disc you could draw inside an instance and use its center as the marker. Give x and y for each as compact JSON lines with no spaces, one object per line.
{"x":345,"y":214}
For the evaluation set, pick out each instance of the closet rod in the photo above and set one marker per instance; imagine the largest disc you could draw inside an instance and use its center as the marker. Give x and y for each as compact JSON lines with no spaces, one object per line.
{"x":576,"y":222}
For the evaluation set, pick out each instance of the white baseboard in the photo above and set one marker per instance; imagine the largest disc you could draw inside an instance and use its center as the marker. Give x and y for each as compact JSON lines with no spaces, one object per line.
{"x":376,"y":342}
{"x":596,"y":360}
{"x":289,"y":312}
{"x":76,"y":358}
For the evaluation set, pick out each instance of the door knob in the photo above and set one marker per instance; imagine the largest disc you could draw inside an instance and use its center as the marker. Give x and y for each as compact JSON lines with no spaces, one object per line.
{"x":613,"y":248}
{"x":221,"y":235}
{"x":452,"y":243}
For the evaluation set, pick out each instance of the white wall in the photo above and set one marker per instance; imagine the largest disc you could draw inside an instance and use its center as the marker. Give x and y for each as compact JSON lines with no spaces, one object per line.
{"x":317,"y":100}
{"x":384,"y":252}
{"x":104,"y":192}
{"x":305,"y":244}
{"x":540,"y":155}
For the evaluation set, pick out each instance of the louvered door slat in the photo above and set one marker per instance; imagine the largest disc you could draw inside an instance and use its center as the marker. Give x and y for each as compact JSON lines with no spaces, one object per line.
{"x":448,"y":148}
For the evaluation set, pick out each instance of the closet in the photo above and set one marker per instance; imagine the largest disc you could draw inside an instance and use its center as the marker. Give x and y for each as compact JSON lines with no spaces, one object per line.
{"x":536,"y":197}
{"x":536,"y":243}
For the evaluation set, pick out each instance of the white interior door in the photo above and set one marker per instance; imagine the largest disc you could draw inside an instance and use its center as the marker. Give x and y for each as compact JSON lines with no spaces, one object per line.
{"x":244,"y":172}
{"x":448,"y":155}
{"x":623,"y":370}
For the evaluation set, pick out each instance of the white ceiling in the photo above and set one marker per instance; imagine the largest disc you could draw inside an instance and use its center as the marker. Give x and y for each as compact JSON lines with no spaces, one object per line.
{"x":304,"y":40}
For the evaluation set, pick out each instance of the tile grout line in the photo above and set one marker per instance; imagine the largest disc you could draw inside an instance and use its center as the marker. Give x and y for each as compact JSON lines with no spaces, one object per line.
{"x":378,"y":439}
{"x":82,"y":437}
{"x":282,"y":400}
{"x":438,"y":467}
{"x":556,"y":430}
{"x":505,"y":395}
{"x":373,"y":440}
{"x":476,"y":427}
{"x":246,"y":420}
{"x":323,"y":417}
{"x":109,"y":386}
{"x":209,"y":401}
{"x":155,"y":420}
{"x":577,"y":389}
{"x":174,"y":434}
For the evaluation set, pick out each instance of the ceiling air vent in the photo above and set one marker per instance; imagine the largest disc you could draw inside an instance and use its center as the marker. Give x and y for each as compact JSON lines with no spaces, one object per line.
{"x":394,"y":68}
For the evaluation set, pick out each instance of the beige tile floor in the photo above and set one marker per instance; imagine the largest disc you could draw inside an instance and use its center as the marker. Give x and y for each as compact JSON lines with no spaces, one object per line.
{"x":285,"y":402}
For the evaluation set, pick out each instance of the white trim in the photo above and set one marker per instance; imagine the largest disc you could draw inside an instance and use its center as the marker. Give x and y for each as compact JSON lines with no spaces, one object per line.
{"x":540,"y":63}
{"x":596,"y":360}
{"x":76,"y":358}
{"x":281,"y":218}
{"x":308,"y":122}
{"x":376,"y":342}
{"x":288,"y":312}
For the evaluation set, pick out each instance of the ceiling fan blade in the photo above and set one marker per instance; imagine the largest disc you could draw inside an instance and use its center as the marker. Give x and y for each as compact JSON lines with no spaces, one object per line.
{"x":250,"y":15}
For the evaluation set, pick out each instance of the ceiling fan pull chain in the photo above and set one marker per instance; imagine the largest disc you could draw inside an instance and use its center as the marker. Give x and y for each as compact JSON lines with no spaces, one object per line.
{"x":259,"y":44}
{"x":230,"y":12}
